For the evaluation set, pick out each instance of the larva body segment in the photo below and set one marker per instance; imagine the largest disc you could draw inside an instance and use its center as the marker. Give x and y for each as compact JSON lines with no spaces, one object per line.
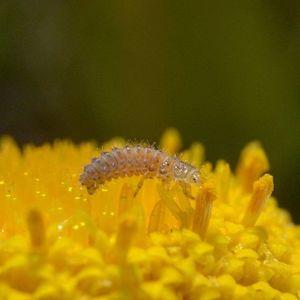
{"x":135,"y":161}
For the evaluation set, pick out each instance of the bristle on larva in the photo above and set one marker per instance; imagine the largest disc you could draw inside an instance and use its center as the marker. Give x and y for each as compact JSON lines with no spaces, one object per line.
{"x":135,"y":161}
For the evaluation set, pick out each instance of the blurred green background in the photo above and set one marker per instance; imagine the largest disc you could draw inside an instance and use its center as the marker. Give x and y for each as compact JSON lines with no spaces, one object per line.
{"x":222,"y":72}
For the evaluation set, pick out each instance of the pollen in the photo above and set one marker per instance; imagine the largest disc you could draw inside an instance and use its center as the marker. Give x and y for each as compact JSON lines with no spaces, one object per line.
{"x":225,"y":237}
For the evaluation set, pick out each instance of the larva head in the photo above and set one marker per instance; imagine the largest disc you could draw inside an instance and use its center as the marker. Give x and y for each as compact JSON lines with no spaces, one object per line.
{"x":193,"y":176}
{"x":186,"y":172}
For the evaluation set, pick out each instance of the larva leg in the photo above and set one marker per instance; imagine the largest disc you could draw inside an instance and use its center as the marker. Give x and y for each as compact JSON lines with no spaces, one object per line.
{"x":186,"y":188}
{"x":139,"y":186}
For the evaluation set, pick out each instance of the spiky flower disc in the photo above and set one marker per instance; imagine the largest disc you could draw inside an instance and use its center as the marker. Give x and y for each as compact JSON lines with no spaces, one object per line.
{"x":58,"y":242}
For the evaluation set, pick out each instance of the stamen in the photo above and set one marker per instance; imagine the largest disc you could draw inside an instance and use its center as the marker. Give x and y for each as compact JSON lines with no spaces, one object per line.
{"x":194,"y":155}
{"x":126,"y":199}
{"x":168,"y":198}
{"x":223,"y":174}
{"x":206,"y":172}
{"x":157,"y":217}
{"x":171,"y":141}
{"x":125,"y":233}
{"x":252,"y":164}
{"x":262,"y":190}
{"x":197,"y":154}
{"x":36,"y":228}
{"x":203,"y":208}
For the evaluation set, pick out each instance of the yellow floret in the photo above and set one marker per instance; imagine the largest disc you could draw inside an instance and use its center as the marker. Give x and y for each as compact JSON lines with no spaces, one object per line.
{"x":223,"y":239}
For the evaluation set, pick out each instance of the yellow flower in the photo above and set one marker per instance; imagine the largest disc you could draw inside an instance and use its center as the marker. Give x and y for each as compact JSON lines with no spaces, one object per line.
{"x":231,"y":241}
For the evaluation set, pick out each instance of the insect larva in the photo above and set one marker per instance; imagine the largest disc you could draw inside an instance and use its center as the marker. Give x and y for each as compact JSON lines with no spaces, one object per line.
{"x":134,"y":161}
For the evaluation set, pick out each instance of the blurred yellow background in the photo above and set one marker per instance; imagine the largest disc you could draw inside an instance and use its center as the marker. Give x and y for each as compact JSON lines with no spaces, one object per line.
{"x":223,"y":73}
